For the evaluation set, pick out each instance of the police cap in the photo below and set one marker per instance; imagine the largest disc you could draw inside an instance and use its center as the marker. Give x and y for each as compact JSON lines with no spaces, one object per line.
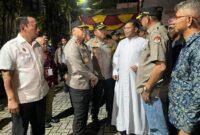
{"x":79,"y":24}
{"x":151,"y":11}
{"x":99,"y":26}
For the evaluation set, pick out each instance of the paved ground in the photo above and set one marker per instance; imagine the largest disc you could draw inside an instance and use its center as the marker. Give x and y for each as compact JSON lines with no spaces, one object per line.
{"x":61,"y":109}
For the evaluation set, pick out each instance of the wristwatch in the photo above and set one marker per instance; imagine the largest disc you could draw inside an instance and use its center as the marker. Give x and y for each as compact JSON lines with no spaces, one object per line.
{"x":146,"y":89}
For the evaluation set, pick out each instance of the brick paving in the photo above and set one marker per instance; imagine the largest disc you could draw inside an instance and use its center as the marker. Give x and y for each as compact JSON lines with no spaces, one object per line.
{"x":61,"y":109}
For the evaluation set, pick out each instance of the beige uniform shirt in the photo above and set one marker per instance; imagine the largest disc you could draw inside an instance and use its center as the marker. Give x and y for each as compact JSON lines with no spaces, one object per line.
{"x":101,"y":54}
{"x":153,"y":52}
{"x":79,"y":65}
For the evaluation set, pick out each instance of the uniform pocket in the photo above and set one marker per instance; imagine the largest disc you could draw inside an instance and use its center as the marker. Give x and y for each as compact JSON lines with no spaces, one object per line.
{"x":24,"y":60}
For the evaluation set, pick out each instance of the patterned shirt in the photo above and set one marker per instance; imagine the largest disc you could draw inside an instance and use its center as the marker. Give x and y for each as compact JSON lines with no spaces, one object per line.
{"x":50,"y":69}
{"x":184,"y":94}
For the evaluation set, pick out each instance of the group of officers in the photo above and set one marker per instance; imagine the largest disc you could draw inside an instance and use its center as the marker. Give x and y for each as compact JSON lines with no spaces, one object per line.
{"x":90,"y":69}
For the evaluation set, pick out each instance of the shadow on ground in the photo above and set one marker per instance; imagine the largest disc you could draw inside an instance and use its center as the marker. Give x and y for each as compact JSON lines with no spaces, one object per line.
{"x":4,"y":122}
{"x":100,"y":128}
{"x":94,"y":129}
{"x":65,"y":113}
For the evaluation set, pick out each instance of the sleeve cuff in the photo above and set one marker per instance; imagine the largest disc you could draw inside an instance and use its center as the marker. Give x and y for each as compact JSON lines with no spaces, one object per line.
{"x":115,"y":72}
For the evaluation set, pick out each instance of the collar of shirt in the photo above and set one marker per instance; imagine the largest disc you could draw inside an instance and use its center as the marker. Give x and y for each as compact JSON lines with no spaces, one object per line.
{"x":149,"y":30}
{"x":130,"y":39}
{"x":22,"y":40}
{"x":99,"y":42}
{"x":192,"y":38}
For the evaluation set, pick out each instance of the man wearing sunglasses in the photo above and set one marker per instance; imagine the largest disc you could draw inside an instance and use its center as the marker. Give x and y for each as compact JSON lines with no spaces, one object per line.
{"x":184,"y":88}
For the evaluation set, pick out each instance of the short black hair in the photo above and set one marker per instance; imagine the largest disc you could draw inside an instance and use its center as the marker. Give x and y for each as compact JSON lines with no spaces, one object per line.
{"x":23,"y":20}
{"x":135,"y":23}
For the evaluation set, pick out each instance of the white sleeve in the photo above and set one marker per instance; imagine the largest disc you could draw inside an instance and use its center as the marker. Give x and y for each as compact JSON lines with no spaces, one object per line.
{"x":115,"y":61}
{"x":7,"y":61}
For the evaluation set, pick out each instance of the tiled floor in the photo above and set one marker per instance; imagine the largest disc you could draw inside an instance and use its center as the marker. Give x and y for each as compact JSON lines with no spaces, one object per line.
{"x":61,"y":109}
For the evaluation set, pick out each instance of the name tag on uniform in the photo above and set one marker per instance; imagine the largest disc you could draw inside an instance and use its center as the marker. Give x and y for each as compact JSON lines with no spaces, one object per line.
{"x":50,"y":71}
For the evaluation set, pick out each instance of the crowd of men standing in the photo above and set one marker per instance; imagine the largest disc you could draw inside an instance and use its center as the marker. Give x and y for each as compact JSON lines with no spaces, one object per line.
{"x":150,"y":84}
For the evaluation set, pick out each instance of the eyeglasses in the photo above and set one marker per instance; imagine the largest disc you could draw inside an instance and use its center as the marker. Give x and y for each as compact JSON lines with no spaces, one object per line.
{"x":178,"y":17}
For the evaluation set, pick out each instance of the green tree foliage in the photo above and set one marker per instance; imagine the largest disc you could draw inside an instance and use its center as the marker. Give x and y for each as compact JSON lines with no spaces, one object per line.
{"x":54,"y":16}
{"x":9,"y":10}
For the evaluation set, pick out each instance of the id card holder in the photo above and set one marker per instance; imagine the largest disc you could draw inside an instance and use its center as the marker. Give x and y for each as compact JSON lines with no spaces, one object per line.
{"x":50,"y":71}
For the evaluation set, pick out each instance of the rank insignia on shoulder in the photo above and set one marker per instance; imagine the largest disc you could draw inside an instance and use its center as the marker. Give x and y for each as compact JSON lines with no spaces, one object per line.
{"x":157,"y":39}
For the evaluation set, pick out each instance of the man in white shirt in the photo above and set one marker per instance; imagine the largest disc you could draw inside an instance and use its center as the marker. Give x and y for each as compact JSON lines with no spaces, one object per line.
{"x":21,"y":63}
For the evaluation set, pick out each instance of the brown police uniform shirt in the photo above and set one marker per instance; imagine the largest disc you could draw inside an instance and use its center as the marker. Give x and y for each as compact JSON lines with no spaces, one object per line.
{"x":101,"y":54}
{"x":79,"y":65}
{"x":153,"y":52}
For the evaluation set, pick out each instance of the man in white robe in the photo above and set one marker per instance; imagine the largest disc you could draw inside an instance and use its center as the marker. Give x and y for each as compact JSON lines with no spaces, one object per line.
{"x":128,"y":113}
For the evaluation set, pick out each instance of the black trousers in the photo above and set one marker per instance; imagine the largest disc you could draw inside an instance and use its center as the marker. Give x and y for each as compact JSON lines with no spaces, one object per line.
{"x":104,"y":90}
{"x":62,"y":68}
{"x":34,"y":113}
{"x":80,"y":102}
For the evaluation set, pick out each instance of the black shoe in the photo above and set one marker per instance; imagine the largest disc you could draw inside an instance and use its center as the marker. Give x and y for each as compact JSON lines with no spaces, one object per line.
{"x":96,"y":124}
{"x":47,"y":125}
{"x":1,"y":107}
{"x":54,"y":120}
{"x":95,"y":119}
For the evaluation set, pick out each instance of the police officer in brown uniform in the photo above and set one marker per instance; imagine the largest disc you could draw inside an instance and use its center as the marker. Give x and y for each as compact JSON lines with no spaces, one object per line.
{"x":150,"y":81}
{"x":80,"y":76}
{"x":101,"y":53}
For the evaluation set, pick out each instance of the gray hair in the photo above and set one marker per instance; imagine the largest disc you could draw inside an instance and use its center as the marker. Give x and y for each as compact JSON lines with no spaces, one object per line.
{"x":190,"y":4}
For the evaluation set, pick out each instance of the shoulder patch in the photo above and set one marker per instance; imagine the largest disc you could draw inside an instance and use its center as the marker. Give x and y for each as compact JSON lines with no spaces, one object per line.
{"x":157,"y":39}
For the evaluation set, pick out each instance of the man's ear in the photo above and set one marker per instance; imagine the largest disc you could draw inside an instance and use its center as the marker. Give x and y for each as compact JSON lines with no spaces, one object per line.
{"x":189,"y":21}
{"x":149,"y":19}
{"x":73,"y":31}
{"x":95,"y":32}
{"x":22,"y":27}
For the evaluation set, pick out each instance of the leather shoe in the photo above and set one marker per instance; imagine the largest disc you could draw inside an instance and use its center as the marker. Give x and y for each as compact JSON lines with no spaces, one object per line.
{"x":54,"y":120}
{"x":47,"y":125}
{"x":1,"y":107}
